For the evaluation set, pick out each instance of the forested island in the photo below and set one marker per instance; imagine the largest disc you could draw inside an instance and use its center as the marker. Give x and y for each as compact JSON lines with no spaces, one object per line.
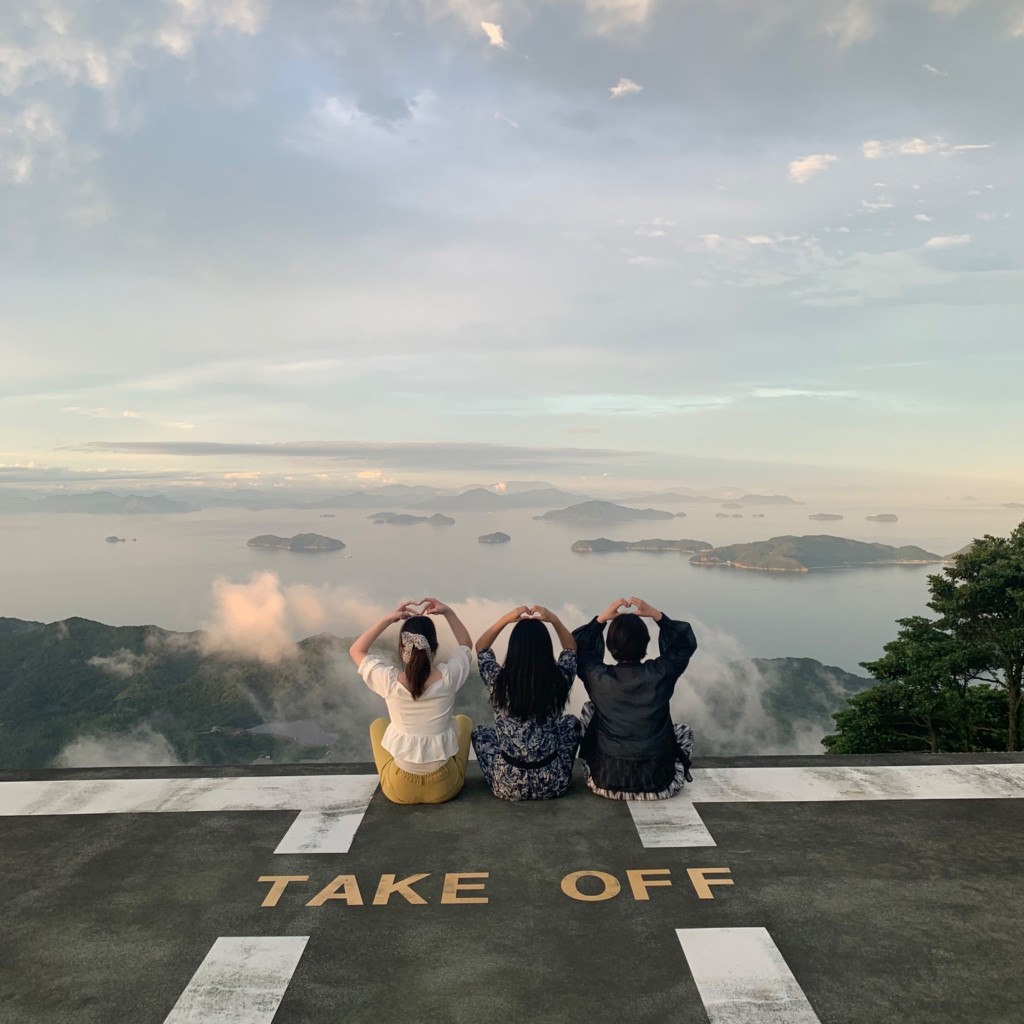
{"x":804,"y":554}
{"x":300,"y":542}
{"x":605,"y":512}
{"x":494,"y":538}
{"x":825,"y":516}
{"x":404,"y":519}
{"x":884,"y":517}
{"x":602,"y":544}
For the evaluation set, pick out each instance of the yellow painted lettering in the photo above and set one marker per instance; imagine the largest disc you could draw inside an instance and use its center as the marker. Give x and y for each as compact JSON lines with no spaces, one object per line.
{"x":454,"y":884}
{"x":278,"y":885}
{"x":388,"y":885}
{"x":571,"y":888}
{"x":702,"y":885}
{"x":344,"y":887}
{"x":639,"y":884}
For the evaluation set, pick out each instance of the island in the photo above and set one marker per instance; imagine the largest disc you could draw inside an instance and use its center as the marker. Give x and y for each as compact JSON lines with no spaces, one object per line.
{"x":300,"y":542}
{"x":404,"y":519}
{"x":603,"y":512}
{"x":1013,"y":504}
{"x":884,"y":517}
{"x":494,"y":538}
{"x":731,"y":504}
{"x":327,"y":515}
{"x":601,"y":545}
{"x":757,"y":515}
{"x":824,"y":516}
{"x":116,"y":540}
{"x":804,"y":554}
{"x":721,"y":515}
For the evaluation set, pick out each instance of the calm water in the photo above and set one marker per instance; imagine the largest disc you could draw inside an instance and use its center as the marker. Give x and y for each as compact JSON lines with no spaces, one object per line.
{"x":59,"y":565}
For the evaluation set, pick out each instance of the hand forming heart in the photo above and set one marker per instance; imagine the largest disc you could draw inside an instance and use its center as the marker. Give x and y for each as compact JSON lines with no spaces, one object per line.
{"x":627,"y":608}
{"x":418,"y":607}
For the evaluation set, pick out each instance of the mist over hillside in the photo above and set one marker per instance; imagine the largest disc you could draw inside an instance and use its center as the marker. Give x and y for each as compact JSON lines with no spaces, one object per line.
{"x":79,"y":693}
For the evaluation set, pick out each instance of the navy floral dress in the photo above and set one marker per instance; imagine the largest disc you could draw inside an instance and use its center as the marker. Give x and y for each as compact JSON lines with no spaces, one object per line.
{"x":527,"y":760}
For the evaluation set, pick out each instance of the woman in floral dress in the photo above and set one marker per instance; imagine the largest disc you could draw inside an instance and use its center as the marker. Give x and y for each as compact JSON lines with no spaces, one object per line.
{"x":529,"y":752}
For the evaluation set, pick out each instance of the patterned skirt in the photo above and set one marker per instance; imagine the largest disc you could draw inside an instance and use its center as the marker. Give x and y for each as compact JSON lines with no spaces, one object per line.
{"x":511,"y":782}
{"x":684,"y":738}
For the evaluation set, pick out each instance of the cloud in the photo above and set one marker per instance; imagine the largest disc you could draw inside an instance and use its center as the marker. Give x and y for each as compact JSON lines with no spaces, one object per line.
{"x":389,"y":455}
{"x":802,"y":393}
{"x":853,"y":22}
{"x":874,"y":149}
{"x":140,"y":746}
{"x":495,"y":37}
{"x":122,"y":664}
{"x":925,"y":218}
{"x":624,"y":87}
{"x":499,"y":116}
{"x":947,"y":241}
{"x":103,"y":414}
{"x":804,"y":168}
{"x":932,"y":70}
{"x":612,"y":17}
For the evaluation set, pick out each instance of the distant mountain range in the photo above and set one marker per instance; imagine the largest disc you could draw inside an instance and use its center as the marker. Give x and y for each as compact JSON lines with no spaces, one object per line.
{"x":77,"y":679}
{"x":497,"y":497}
{"x":803,"y":554}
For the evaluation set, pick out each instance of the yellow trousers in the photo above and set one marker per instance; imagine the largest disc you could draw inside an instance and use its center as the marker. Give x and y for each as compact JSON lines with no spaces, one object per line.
{"x":402,"y":787}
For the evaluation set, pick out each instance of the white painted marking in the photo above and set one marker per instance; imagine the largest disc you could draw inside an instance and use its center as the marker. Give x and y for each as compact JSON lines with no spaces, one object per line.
{"x":331,"y":806}
{"x":241,"y":981}
{"x":742,"y":977}
{"x":676,"y":822}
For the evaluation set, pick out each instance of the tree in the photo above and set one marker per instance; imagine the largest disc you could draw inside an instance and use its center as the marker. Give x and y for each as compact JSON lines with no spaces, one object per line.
{"x":980,"y":601}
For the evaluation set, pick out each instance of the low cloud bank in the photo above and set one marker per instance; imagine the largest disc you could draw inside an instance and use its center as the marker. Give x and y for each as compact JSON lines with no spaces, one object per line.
{"x":141,"y":746}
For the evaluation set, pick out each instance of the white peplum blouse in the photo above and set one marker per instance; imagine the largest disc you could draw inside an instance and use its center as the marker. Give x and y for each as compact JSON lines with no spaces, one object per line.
{"x":421,"y":732}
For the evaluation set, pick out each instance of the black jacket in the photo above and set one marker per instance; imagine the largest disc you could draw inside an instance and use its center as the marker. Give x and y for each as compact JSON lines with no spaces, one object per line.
{"x":630,"y":744}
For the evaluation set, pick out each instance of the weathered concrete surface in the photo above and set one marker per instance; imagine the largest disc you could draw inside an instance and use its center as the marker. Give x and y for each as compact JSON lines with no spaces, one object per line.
{"x":883,"y":911}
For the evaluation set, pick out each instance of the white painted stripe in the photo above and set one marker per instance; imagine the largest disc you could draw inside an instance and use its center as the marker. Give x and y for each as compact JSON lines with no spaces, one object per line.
{"x":742,"y":977}
{"x":241,"y":981}
{"x":676,"y":823}
{"x":331,"y":806}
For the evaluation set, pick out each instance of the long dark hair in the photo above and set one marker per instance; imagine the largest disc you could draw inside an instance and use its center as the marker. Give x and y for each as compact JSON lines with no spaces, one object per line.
{"x":420,"y":664}
{"x":530,"y":683}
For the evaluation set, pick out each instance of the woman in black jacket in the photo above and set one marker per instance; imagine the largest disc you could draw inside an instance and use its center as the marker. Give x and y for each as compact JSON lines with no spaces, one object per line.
{"x":631,"y":749}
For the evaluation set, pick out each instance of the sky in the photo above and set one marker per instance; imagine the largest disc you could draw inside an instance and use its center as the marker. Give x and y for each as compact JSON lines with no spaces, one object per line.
{"x":604,"y":243}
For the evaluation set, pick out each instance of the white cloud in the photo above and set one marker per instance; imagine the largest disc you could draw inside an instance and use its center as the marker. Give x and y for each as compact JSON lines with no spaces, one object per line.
{"x":950,"y":8}
{"x":494,"y":34}
{"x":947,"y":241}
{"x":925,"y":218}
{"x":624,"y":87}
{"x":103,"y":414}
{"x":874,"y":149}
{"x":804,"y":168}
{"x":608,"y":17}
{"x":1016,"y":30}
{"x":499,"y":116}
{"x":853,"y":23}
{"x":760,"y":240}
{"x":880,"y":204}
{"x":801,"y":393}
{"x":932,"y":70}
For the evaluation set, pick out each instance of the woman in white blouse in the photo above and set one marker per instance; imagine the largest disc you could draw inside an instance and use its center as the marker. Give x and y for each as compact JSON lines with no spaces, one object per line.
{"x":422,"y":752}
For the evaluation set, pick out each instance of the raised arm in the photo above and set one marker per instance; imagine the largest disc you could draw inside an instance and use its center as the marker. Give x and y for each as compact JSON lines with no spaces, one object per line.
{"x":590,"y":642}
{"x":565,"y":638}
{"x":490,"y":634}
{"x":462,"y":637}
{"x":361,"y":645}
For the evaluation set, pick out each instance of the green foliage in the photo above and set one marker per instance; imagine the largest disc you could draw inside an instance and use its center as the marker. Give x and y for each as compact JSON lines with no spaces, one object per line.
{"x":953,"y":683}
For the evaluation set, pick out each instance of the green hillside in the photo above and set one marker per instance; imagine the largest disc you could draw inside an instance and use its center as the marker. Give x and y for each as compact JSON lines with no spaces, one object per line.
{"x":802,"y":554}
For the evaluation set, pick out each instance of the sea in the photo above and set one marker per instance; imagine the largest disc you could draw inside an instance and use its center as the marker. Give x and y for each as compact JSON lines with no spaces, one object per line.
{"x":59,"y":565}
